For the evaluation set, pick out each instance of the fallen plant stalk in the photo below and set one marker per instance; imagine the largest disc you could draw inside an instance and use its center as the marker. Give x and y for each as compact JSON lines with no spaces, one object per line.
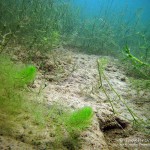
{"x":101,"y":74}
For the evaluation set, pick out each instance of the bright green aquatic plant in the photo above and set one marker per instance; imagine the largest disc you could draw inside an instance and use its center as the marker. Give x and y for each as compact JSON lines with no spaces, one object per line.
{"x":74,"y":123}
{"x":25,"y":75}
{"x":79,"y":120}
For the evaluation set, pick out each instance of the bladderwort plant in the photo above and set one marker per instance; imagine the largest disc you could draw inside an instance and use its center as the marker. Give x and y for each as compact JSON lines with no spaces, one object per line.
{"x":79,"y":120}
{"x":74,"y":124}
{"x":25,"y":75}
{"x":13,"y":79}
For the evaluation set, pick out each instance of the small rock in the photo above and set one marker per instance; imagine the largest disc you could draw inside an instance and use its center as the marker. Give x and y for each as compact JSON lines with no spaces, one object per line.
{"x":109,"y":66}
{"x":34,"y":86}
{"x":114,"y":70}
{"x":123,"y":79}
{"x":14,"y":58}
{"x":30,"y":132}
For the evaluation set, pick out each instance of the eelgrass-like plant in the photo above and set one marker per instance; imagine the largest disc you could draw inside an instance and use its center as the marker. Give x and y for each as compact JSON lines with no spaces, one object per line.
{"x":138,"y":68}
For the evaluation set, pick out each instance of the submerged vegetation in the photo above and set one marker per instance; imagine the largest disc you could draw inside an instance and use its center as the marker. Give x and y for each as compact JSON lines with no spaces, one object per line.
{"x":42,"y":25}
{"x":31,"y":29}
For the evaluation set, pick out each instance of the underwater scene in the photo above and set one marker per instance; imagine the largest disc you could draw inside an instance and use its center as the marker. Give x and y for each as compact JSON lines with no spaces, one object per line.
{"x":74,"y":74}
